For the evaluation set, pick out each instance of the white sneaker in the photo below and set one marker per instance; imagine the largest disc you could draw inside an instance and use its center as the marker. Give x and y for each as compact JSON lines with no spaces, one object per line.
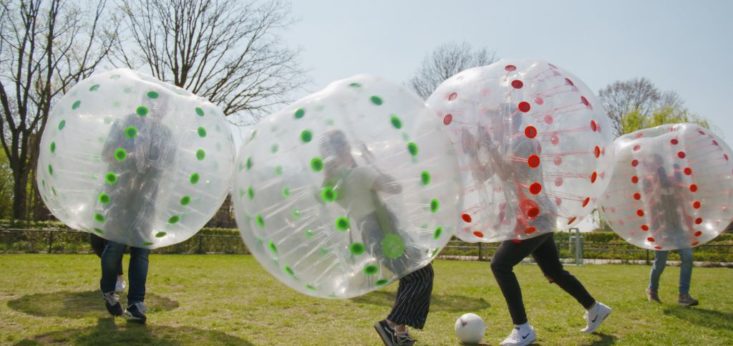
{"x":520,"y":336}
{"x":120,"y":285}
{"x":595,"y":316}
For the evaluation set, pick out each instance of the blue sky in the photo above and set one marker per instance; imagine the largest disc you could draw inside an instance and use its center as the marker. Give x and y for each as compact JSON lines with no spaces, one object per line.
{"x":684,"y":46}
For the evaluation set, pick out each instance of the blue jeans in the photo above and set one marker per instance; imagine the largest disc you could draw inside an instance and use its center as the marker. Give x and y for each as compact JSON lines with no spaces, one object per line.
{"x":660,"y":261}
{"x":137,"y":272}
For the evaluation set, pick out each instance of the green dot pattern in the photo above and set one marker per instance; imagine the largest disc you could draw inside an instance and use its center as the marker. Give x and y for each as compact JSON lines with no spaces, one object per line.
{"x":393,"y":246}
{"x":249,"y":163}
{"x":99,"y":230}
{"x":278,"y":170}
{"x":160,"y":234}
{"x":309,"y":233}
{"x":355,"y":85}
{"x":50,"y":169}
{"x":328,"y":194}
{"x":199,"y":111}
{"x":142,"y":111}
{"x":260,"y":221}
{"x":200,"y":154}
{"x":62,"y":123}
{"x":434,"y":205}
{"x":185,"y":200}
{"x":153,"y":94}
{"x":202,"y":132}
{"x":53,"y":147}
{"x":98,"y":217}
{"x":382,"y":282}
{"x":76,"y":104}
{"x":274,"y":148}
{"x":371,"y":269}
{"x":299,"y":113}
{"x":289,"y":271}
{"x":94,"y":87}
{"x":425,"y":177}
{"x":310,"y":287}
{"x":306,"y":136}
{"x":174,"y":219}
{"x":316,"y":164}
{"x":396,"y":122}
{"x":120,"y":154}
{"x":412,"y":148}
{"x":194,"y":178}
{"x":110,"y":178}
{"x":376,"y":100}
{"x":272,"y":247}
{"x":296,"y":214}
{"x":103,"y":198}
{"x":342,"y":224}
{"x":131,"y":132}
{"x":438,"y":232}
{"x":286,"y":192}
{"x":357,"y":249}
{"x":251,"y":192}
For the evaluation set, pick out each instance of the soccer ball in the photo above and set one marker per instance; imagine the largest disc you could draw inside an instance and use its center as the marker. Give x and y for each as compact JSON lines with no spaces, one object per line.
{"x":470,"y":328}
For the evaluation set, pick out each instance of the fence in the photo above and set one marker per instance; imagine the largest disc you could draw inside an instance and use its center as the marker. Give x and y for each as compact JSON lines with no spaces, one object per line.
{"x":604,"y":246}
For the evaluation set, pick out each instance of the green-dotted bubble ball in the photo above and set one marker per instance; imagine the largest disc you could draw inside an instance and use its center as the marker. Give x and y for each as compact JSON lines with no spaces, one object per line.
{"x":531,"y":139}
{"x":370,"y":177}
{"x":119,"y":154}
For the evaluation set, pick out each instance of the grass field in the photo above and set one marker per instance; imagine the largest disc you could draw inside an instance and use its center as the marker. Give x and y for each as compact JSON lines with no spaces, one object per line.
{"x":229,"y":299}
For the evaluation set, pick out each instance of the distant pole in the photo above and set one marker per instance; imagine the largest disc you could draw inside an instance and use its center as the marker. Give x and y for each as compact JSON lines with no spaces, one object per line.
{"x":578,"y":245}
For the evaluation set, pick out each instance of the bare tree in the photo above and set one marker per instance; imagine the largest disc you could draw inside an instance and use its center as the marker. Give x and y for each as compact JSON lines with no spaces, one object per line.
{"x":637,"y":95}
{"x":445,"y":61}
{"x":45,"y":48}
{"x":227,"y":51}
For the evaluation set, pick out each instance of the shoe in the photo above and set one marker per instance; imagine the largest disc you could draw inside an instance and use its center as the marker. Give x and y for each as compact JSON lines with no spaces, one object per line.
{"x":390,"y":337}
{"x":112,"y":303}
{"x":120,"y":285}
{"x":520,"y":336}
{"x":136,"y":313}
{"x":595,"y":316}
{"x":686,"y":300}
{"x":652,"y":296}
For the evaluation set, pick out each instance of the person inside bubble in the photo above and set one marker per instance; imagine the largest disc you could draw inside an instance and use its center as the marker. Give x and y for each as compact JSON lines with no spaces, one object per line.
{"x":535,"y":214}
{"x":137,"y":151}
{"x":669,"y":220}
{"x":356,"y":189}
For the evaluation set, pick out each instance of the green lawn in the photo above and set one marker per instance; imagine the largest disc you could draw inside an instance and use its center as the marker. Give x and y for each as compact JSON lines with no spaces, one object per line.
{"x":229,"y":299}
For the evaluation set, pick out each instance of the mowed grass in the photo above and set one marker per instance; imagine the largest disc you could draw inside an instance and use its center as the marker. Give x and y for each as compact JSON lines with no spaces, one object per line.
{"x":229,"y":299}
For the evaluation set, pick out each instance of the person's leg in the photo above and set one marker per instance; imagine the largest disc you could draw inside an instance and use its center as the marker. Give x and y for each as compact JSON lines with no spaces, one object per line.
{"x":548,"y":260}
{"x":413,"y":298}
{"x":110,"y":259}
{"x":98,"y":243}
{"x":660,"y":261}
{"x":137,"y":274}
{"x":685,"y":270}
{"x":508,"y":255}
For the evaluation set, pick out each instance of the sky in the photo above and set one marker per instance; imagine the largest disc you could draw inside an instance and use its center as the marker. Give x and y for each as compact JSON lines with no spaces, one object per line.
{"x":685,"y":46}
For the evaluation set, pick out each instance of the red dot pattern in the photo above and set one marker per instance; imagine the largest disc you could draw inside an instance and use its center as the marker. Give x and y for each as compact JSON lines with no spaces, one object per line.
{"x":535,"y":188}
{"x":530,"y":131}
{"x":593,"y":177}
{"x":530,"y":230}
{"x":478,"y":234}
{"x":586,"y":201}
{"x":447,"y":119}
{"x":634,"y":163}
{"x":452,"y":96}
{"x":637,"y":196}
{"x":524,"y":106}
{"x":681,"y":154}
{"x":466,"y":217}
{"x":517,"y":84}
{"x":510,"y":68}
{"x":533,"y":161}
{"x":644,"y":228}
{"x":640,"y":213}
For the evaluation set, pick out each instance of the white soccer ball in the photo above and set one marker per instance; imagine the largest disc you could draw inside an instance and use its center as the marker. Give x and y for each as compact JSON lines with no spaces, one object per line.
{"x":470,"y":328}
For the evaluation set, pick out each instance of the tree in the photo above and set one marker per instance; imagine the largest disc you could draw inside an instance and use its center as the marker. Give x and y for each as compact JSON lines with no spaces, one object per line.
{"x":445,"y":61}
{"x":45,"y":48}
{"x":640,"y":96}
{"x":227,"y":51}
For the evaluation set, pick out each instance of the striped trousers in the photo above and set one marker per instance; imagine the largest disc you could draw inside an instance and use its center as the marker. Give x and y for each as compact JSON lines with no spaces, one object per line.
{"x":413,"y":298}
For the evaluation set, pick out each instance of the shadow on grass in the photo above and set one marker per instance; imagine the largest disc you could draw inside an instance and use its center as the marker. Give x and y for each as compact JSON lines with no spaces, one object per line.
{"x":605,"y":339}
{"x":79,"y":304}
{"x":702,"y":317}
{"x":106,"y":332}
{"x":437,"y":302}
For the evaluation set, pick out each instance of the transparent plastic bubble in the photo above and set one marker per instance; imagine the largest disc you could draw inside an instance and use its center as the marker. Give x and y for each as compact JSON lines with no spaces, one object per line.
{"x":134,"y":160}
{"x":531,"y":141}
{"x":672,"y":187}
{"x":347,"y":189}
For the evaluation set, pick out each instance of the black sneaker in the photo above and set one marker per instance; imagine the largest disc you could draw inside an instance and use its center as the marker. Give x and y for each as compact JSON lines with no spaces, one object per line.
{"x":112,"y":303}
{"x":390,"y":337}
{"x":136,"y":313}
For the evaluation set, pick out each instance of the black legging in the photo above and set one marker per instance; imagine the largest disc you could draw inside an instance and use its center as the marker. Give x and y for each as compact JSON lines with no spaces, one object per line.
{"x":544,"y":251}
{"x":98,"y":243}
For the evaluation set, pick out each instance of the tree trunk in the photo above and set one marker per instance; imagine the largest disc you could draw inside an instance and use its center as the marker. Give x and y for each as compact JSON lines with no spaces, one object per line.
{"x":20,"y":190}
